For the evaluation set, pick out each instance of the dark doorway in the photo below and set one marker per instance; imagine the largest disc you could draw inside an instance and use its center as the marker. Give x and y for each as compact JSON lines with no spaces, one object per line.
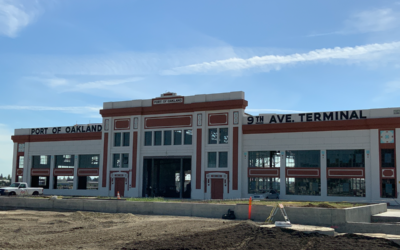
{"x":217,"y":189}
{"x":119,"y":186}
{"x":167,"y":177}
{"x":40,"y":181}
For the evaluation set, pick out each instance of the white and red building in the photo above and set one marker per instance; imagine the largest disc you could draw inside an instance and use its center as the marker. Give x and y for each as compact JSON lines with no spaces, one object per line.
{"x":206,"y":146}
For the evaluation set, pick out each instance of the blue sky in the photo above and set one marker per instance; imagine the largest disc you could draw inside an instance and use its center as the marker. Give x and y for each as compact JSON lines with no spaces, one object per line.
{"x":60,"y":60}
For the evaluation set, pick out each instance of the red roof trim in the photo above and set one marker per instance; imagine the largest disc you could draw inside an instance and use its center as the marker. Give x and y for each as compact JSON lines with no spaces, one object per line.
{"x":176,"y":108}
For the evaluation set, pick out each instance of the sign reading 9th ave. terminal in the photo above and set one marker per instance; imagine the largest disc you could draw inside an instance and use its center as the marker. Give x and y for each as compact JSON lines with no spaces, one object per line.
{"x":307,"y":117}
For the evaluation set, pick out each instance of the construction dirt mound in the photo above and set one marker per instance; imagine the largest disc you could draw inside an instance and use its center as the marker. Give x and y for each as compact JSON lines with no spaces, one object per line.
{"x":248,"y":236}
{"x":29,"y":229}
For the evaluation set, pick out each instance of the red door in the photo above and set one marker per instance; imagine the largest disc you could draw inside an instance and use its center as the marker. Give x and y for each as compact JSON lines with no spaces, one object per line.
{"x":217,"y":189}
{"x":119,"y":186}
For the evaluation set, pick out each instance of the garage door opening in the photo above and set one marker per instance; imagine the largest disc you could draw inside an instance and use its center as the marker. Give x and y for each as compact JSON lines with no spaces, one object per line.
{"x":167,"y":177}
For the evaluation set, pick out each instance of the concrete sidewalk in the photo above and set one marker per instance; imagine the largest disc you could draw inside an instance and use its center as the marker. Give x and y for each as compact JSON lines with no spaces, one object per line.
{"x":392,"y":215}
{"x":331,"y":232}
{"x":307,"y":229}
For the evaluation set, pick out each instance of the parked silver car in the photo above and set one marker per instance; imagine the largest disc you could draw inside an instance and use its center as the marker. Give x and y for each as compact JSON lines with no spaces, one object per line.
{"x":271,"y":194}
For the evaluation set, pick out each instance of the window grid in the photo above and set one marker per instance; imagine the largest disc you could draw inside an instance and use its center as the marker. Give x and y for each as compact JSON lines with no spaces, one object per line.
{"x":218,"y":136}
{"x":217,"y":159}
{"x":120,"y":161}
{"x":303,"y":159}
{"x":264,"y":159}
{"x":121,"y":139}
{"x":168,"y":137}
{"x":347,"y":158}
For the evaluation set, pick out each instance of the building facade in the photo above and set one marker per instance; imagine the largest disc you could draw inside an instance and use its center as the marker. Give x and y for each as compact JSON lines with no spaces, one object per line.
{"x":207,"y":147}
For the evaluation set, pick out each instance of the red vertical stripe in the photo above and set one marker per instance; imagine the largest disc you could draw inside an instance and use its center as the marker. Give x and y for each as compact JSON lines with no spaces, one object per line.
{"x":134,"y":158}
{"x":235,"y":158}
{"x":105,"y":155}
{"x":198,"y":159}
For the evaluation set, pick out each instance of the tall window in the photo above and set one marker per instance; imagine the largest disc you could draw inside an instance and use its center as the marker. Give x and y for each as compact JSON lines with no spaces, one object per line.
{"x":44,"y":159}
{"x":117,"y":161}
{"x":120,"y":160}
{"x":212,"y":159}
{"x":223,"y":135}
{"x":88,"y":161}
{"x":147,"y":138}
{"x":218,"y":136}
{"x":167,"y":137}
{"x":65,"y":161}
{"x":41,"y":161}
{"x":264,"y":159}
{"x":125,"y":139}
{"x":303,"y":186}
{"x":345,"y":158}
{"x":388,"y":188}
{"x":21,"y":162}
{"x":157,"y":138}
{"x":259,"y":185}
{"x":188,"y":137}
{"x":117,"y":139}
{"x":217,"y":159}
{"x":303,"y":159}
{"x":222,"y":159}
{"x":352,"y":187}
{"x":387,"y":158}
{"x":177,"y":137}
{"x":63,"y":182}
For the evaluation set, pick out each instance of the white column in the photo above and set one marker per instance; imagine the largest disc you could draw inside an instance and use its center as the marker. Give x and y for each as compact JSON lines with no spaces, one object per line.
{"x":51,"y":177}
{"x":75,"y":173}
{"x":372,"y":178}
{"x":204,"y":159}
{"x":30,"y":163}
{"x":14,"y":164}
{"x":282,"y":174}
{"x":241,"y":177}
{"x":324,"y":181}
{"x":139,"y":159}
{"x":109,"y":157}
{"x":27,"y":172}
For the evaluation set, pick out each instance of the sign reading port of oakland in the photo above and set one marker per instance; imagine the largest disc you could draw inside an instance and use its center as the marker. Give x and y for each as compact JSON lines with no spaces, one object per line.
{"x":165,"y":101}
{"x":307,"y":117}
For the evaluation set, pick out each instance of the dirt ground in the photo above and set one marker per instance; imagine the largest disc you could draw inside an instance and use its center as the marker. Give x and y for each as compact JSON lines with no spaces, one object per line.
{"x":26,"y":229}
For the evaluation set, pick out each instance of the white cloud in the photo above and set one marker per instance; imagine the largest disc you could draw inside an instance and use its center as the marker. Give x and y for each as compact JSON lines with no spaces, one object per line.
{"x":269,"y":62}
{"x":126,"y":63}
{"x":55,"y":82}
{"x":104,"y":84}
{"x":16,"y":15}
{"x":372,"y":21}
{"x":74,"y":110}
{"x":6,"y":149}
{"x":74,"y":84}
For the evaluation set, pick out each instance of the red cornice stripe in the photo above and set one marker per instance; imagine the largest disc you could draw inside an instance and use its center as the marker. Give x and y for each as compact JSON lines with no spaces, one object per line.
{"x":57,"y":137}
{"x":373,"y":123}
{"x":175,"y":108}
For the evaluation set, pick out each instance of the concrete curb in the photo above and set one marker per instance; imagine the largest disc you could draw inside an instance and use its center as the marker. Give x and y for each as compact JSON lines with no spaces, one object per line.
{"x":297,"y":215}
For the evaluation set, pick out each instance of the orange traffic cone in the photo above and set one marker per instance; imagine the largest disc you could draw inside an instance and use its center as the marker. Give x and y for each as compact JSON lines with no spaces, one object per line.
{"x":118,"y":197}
